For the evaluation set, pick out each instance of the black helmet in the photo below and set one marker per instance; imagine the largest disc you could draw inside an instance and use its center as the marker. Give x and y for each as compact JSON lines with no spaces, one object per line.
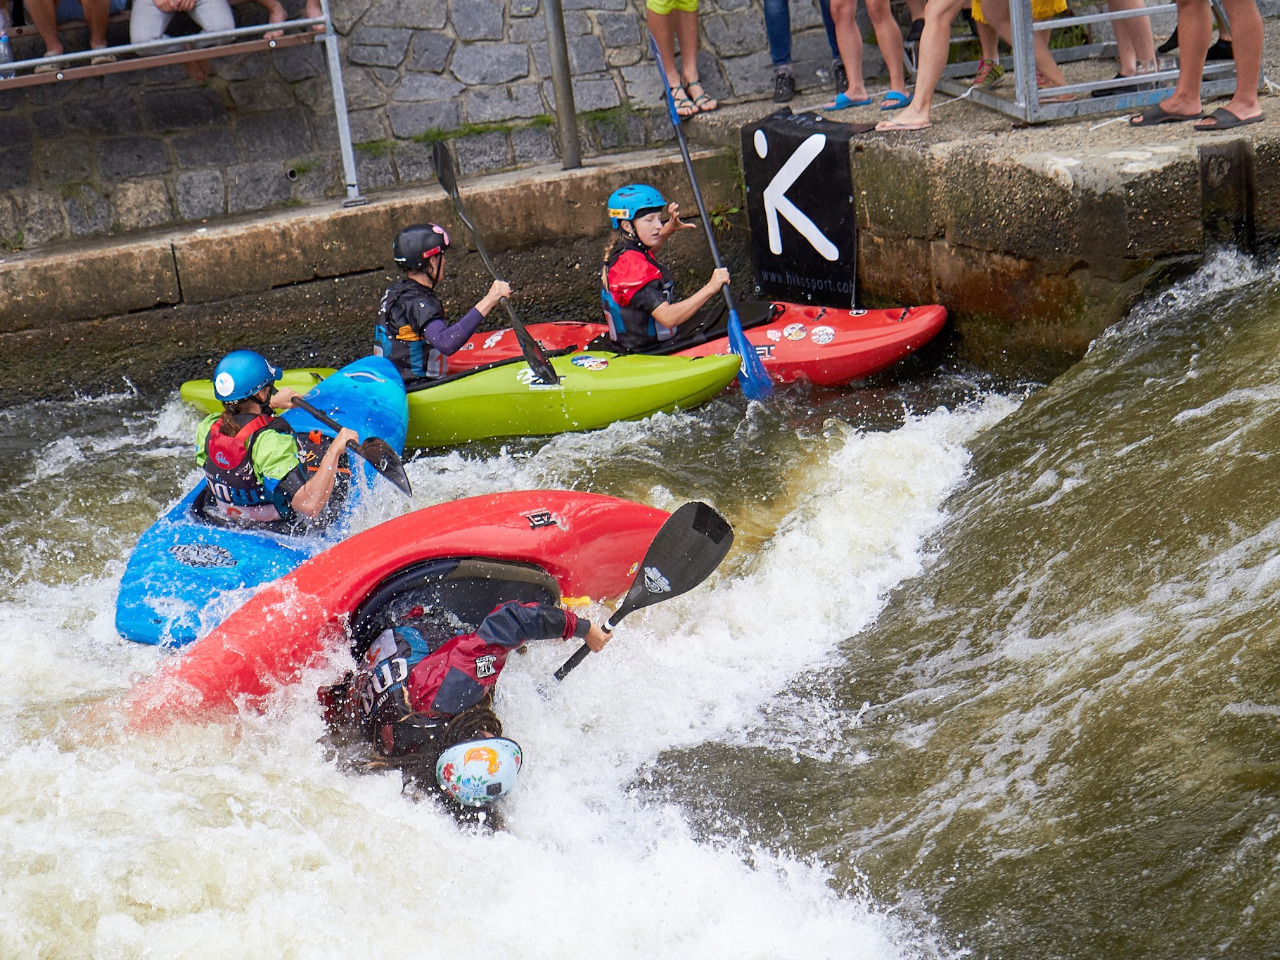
{"x":417,"y":244}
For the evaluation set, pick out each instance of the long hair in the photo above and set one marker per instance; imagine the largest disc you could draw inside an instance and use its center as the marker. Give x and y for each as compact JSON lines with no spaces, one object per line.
{"x":227,"y":422}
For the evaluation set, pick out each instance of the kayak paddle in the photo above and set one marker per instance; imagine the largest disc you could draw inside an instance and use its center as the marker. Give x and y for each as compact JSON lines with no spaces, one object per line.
{"x":375,"y":450}
{"x":447,"y":174}
{"x":753,"y":377}
{"x":685,"y":551}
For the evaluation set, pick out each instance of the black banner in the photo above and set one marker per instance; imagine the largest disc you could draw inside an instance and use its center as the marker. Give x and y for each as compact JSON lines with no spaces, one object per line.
{"x":800,"y":208}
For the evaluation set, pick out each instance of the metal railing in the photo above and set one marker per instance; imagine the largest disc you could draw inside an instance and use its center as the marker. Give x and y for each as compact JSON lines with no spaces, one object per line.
{"x":207,"y":46}
{"x":1025,"y":104}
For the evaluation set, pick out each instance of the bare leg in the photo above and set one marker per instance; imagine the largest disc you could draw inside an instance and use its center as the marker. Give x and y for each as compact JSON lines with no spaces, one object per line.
{"x":935,"y":46}
{"x":889,"y":38}
{"x":96,"y":13}
{"x":275,"y":14}
{"x":686,"y":23}
{"x":43,"y":13}
{"x":664,"y":35}
{"x":849,"y":39}
{"x":312,"y":10}
{"x":1247,"y":49}
{"x":988,"y":40}
{"x":1195,"y":30}
{"x":1135,"y":42}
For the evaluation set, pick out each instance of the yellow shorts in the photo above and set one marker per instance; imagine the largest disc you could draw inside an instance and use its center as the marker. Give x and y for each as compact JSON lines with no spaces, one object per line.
{"x":1040,"y":9}
{"x":667,"y":6}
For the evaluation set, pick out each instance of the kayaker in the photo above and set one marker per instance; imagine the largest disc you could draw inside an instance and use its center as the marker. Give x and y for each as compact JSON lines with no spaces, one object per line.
{"x":639,"y":293}
{"x":257,"y":469}
{"x":411,"y":330}
{"x":422,"y":689}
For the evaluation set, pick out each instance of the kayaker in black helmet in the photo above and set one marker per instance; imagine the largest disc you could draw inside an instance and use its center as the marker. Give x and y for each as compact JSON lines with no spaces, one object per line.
{"x":258,"y":471}
{"x":639,"y":297}
{"x":411,"y":330}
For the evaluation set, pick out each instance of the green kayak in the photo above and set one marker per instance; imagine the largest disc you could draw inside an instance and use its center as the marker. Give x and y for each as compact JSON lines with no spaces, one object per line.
{"x":596,"y":389}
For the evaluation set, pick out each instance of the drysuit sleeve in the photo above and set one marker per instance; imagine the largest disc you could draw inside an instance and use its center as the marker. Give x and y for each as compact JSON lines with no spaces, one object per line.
{"x":511,"y":624}
{"x":447,"y":338}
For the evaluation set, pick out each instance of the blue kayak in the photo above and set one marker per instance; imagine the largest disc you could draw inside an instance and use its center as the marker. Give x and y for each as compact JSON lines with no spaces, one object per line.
{"x":187,"y":573}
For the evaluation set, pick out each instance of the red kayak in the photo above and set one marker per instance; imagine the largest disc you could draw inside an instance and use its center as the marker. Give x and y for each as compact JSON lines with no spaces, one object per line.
{"x":466,"y":556}
{"x":824,"y":345}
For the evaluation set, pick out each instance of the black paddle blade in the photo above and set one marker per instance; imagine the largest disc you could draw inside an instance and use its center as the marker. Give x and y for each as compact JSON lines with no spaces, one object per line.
{"x":446,"y":170}
{"x":687,"y":549}
{"x":383,"y":459}
{"x":447,"y":174}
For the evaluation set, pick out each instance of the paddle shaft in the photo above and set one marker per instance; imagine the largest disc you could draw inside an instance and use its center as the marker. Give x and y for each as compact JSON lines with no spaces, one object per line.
{"x":755,"y":381}
{"x":533,"y":353}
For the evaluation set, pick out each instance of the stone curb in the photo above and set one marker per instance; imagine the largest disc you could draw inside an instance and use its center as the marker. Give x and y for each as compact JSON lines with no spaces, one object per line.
{"x":85,"y":281}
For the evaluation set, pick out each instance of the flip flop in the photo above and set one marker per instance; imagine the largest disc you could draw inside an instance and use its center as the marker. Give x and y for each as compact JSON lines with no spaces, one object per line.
{"x":891,"y":126}
{"x":1158,"y":114}
{"x":893,"y":100}
{"x":843,"y":102}
{"x":1224,"y":119}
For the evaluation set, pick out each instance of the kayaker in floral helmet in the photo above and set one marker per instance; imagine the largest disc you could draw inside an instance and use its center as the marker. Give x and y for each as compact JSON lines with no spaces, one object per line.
{"x":258,"y":471}
{"x":422,"y":694}
{"x":411,"y":330}
{"x":639,"y":293}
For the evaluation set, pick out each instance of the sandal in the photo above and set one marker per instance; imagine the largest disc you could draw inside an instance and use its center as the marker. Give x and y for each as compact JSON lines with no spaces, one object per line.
{"x":701,"y":100}
{"x":680,"y":100}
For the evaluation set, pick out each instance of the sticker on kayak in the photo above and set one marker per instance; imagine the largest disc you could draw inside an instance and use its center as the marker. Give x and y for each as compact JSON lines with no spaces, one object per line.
{"x":774,"y":335}
{"x":822,"y":335}
{"x":530,"y":379}
{"x":202,"y":555}
{"x":857,"y":313}
{"x":542,"y":518}
{"x":590,"y":363}
{"x":795,"y":331}
{"x":494,"y":339}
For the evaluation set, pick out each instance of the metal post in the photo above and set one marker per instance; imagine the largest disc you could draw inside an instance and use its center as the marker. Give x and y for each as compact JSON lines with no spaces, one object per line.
{"x":330,"y":40}
{"x":1024,"y":58}
{"x":566,"y":115}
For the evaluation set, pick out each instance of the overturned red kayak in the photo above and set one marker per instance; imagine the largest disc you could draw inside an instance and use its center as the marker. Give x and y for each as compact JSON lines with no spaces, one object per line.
{"x":824,"y":345}
{"x":526,"y":545}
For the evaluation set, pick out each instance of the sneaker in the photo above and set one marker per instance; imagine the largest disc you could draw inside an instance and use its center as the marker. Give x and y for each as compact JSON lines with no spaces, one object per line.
{"x":913,"y":35}
{"x":784,"y":87}
{"x":989,"y":76}
{"x":841,"y":77}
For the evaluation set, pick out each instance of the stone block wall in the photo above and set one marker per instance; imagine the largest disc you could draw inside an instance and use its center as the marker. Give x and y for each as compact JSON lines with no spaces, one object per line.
{"x":153,"y":149}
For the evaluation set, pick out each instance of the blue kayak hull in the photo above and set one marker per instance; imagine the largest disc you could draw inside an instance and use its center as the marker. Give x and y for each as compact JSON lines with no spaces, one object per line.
{"x":186,"y":575}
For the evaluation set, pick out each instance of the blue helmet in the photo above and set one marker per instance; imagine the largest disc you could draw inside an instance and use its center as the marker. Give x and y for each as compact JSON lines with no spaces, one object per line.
{"x":242,"y":373}
{"x":633,"y":200}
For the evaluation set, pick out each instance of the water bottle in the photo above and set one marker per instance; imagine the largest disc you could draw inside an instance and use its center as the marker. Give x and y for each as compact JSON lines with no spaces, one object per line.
{"x":6,"y":51}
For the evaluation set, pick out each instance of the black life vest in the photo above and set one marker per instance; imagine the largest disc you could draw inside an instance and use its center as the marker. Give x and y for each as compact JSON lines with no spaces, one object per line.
{"x":407,"y":307}
{"x":629,"y":268}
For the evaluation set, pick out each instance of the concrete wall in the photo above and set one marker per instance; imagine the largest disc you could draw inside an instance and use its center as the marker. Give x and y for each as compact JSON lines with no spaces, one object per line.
{"x":148,"y":149}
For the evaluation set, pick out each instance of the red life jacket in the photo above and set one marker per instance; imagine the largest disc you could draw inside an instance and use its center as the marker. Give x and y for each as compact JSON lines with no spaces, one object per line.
{"x":228,"y":465}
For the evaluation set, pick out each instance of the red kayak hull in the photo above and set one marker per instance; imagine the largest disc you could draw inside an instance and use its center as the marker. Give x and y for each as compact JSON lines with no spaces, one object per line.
{"x":590,"y":544}
{"x":824,"y":345}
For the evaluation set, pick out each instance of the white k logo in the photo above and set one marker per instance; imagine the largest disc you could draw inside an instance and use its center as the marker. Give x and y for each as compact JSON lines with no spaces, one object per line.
{"x":776,"y":202}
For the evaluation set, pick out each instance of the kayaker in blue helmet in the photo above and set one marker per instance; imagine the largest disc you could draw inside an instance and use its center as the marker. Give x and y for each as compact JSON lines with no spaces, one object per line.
{"x":639,"y":293}
{"x":422,"y":693}
{"x":258,"y":471}
{"x":411,"y":330}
